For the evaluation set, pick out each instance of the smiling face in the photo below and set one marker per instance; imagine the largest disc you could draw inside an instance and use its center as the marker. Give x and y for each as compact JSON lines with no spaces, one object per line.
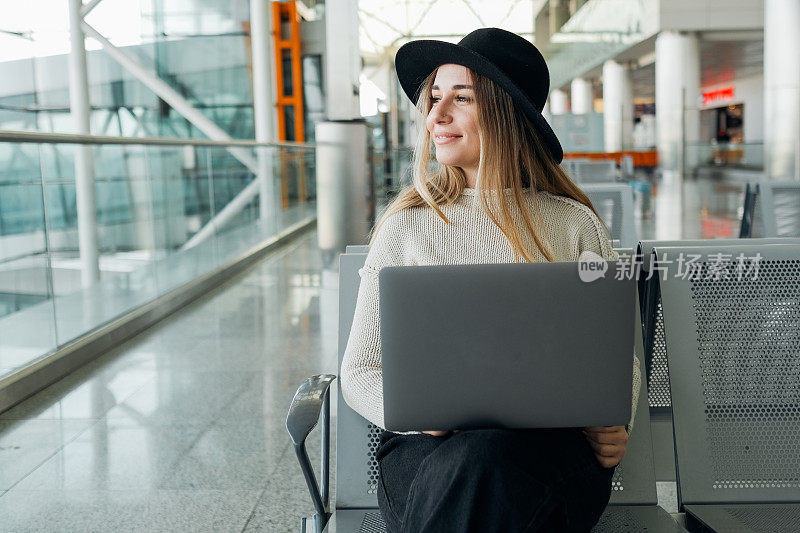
{"x":453,"y":120}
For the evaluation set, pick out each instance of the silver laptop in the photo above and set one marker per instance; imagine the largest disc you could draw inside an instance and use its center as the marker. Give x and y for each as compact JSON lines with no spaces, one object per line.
{"x":520,"y":345}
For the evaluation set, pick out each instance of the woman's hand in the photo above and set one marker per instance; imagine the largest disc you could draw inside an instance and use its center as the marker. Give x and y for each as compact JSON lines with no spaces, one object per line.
{"x":609,"y":443}
{"x":437,"y":433}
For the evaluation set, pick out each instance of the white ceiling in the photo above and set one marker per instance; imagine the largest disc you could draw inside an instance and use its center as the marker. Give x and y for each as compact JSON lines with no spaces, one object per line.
{"x":387,"y":24}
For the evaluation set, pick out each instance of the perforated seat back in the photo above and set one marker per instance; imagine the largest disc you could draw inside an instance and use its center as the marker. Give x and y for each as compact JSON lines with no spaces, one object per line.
{"x":734,"y":363}
{"x":656,"y":350}
{"x":594,"y":171}
{"x":357,"y":248}
{"x":614,"y":204}
{"x":779,"y":203}
{"x":570,"y":167}
{"x":356,"y":439}
{"x":775,"y":208}
{"x":634,"y":480}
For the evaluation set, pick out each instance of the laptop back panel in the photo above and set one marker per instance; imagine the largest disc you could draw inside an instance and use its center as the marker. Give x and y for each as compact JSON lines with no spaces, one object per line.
{"x":505,"y":345}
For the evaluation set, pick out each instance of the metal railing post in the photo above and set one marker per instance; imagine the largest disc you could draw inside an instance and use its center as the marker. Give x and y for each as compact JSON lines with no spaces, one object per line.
{"x":84,"y":162}
{"x":263,"y":104}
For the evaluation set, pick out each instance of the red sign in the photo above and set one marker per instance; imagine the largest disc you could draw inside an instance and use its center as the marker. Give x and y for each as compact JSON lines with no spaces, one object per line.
{"x":726,"y":93}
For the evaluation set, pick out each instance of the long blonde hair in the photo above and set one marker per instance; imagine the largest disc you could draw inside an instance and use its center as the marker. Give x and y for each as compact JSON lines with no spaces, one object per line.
{"x":512,"y":156}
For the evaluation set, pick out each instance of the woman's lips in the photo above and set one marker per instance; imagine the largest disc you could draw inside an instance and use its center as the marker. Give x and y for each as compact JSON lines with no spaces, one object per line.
{"x":445,"y":138}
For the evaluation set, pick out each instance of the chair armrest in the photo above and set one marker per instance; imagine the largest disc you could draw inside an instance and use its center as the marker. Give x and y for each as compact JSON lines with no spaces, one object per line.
{"x":304,"y":412}
{"x":311,"y":400}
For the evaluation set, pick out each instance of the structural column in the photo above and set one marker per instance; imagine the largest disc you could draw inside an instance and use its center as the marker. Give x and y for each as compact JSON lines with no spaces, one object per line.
{"x":559,"y":14}
{"x":582,"y":98}
{"x":345,"y":193}
{"x":617,"y":107}
{"x":343,"y":59}
{"x":84,"y":162}
{"x":345,"y":190}
{"x":558,"y":102}
{"x":677,"y":96}
{"x":263,"y":102}
{"x":781,"y":89}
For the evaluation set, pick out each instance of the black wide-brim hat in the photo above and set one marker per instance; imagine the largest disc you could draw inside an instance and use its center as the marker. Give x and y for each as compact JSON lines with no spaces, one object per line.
{"x":507,"y":59}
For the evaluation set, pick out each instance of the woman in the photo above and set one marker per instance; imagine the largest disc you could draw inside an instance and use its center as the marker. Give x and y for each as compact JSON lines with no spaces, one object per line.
{"x":496,"y":195}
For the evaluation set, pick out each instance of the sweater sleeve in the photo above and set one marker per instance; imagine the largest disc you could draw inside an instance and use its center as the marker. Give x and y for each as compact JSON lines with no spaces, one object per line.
{"x":361,"y":377}
{"x":594,"y":237}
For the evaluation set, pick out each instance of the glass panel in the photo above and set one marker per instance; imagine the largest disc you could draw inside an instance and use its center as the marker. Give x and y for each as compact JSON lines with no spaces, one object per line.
{"x":402,"y":168}
{"x":27,"y":324}
{"x":184,"y":208}
{"x":724,"y":154}
{"x":164,"y":216}
{"x":286,"y":69}
{"x":313,"y":94}
{"x":288,"y":121}
{"x":195,"y":182}
{"x":124,"y":237}
{"x":230,"y":178}
{"x":176,"y":17}
{"x":296,"y":177}
{"x":285,"y":28}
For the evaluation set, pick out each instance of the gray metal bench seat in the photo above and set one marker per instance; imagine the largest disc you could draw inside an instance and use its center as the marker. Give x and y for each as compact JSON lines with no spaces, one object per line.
{"x":652,"y":316}
{"x":771,"y":209}
{"x":588,"y":171}
{"x":633,"y":506}
{"x":734,"y":364}
{"x":655,"y":348}
{"x":614,"y":204}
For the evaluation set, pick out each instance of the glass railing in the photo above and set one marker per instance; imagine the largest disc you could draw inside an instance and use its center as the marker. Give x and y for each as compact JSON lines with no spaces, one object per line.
{"x":391,"y":171}
{"x":167,"y":212}
{"x":724,"y":154}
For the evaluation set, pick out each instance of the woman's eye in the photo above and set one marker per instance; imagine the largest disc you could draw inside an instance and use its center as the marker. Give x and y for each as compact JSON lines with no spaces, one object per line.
{"x":462,"y":99}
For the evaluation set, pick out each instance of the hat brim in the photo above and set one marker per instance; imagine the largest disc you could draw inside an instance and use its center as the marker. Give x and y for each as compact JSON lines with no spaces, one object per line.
{"x":417,"y":59}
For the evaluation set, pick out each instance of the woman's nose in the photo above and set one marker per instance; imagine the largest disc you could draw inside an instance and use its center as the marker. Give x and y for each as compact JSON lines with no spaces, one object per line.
{"x":441,"y":113}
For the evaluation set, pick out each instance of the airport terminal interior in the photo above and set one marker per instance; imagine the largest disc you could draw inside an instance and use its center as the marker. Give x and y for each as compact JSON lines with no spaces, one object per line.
{"x":187,"y":190}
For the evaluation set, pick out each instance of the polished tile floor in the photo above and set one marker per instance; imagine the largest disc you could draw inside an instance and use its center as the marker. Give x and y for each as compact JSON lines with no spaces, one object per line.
{"x":182,"y":427}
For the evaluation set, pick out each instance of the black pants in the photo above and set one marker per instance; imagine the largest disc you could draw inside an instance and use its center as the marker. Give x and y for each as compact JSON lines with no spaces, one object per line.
{"x":491,"y":480}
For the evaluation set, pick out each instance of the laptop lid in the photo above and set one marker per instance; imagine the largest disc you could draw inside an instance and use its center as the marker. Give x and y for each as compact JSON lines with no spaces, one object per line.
{"x":519,"y":345}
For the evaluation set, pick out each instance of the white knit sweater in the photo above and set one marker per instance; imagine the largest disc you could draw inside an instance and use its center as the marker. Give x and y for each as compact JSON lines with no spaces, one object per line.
{"x":417,"y":236}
